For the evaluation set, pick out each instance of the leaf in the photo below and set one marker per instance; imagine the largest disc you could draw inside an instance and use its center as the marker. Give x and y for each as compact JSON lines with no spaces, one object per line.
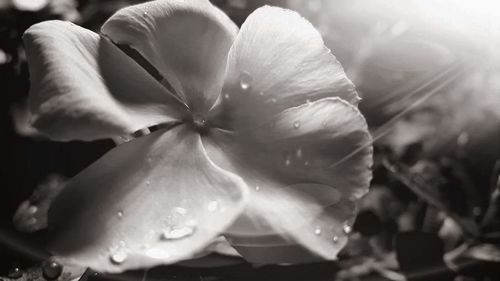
{"x":487,"y":252}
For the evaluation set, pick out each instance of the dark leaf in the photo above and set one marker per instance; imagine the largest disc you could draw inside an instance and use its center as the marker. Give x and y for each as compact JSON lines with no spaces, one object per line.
{"x":420,"y":256}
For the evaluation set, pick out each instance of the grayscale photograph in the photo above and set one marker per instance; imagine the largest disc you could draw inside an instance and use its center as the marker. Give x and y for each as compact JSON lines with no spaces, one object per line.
{"x":240,"y":140}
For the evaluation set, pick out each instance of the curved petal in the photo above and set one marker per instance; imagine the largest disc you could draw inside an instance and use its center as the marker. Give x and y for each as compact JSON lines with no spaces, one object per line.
{"x":187,"y":41}
{"x":83,"y":87}
{"x":155,"y":200}
{"x":277,"y":61}
{"x":307,"y":167}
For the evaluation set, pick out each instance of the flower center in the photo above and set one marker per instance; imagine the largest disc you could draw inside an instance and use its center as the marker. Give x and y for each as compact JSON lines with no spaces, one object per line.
{"x":199,"y":122}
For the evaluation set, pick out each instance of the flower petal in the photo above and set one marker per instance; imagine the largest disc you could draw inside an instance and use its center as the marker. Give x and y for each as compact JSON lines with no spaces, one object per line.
{"x":155,"y":200}
{"x":307,"y":168}
{"x":187,"y":41}
{"x":83,"y":87}
{"x":277,"y":61}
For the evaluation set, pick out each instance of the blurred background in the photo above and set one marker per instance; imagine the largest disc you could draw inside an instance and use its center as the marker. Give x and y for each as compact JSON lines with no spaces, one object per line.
{"x":429,"y":75}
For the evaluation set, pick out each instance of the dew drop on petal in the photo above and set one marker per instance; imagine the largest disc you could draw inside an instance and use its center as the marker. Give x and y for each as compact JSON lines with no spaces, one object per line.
{"x":261,"y":93}
{"x":257,"y":188}
{"x":273,"y":100}
{"x":347,"y":229}
{"x":317,"y":231}
{"x":306,"y":163}
{"x":145,"y":13}
{"x":296,"y":124}
{"x":335,"y":239}
{"x":15,"y":273}
{"x":213,"y":206}
{"x":245,"y":80}
{"x":287,"y":162}
{"x":148,"y":183}
{"x":119,"y":256}
{"x":174,"y":233}
{"x":226,"y":96}
{"x":51,"y":270}
{"x":125,"y":138}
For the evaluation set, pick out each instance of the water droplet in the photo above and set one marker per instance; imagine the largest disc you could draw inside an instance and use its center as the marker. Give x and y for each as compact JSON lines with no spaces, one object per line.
{"x":335,"y":239}
{"x":261,"y":93}
{"x":148,"y":183}
{"x":212,"y":206}
{"x":125,"y":138}
{"x":15,"y":272}
{"x":122,"y":243}
{"x":257,"y":188}
{"x":145,"y":13}
{"x":296,"y":124}
{"x":273,"y":100}
{"x":32,"y":210}
{"x":180,"y":210}
{"x":119,"y":256}
{"x":287,"y":162}
{"x":174,"y":233}
{"x":299,"y":153}
{"x":51,"y":270}
{"x":245,"y":80}
{"x":226,"y":96}
{"x":347,"y":229}
{"x":317,"y":231}
{"x":306,"y":163}
{"x":199,"y":121}
{"x":120,"y":214}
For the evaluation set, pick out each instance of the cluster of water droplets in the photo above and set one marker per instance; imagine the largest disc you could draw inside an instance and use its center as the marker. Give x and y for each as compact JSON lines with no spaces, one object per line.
{"x":297,"y":156}
{"x":32,"y":210}
{"x":179,"y":226}
{"x":50,"y":270}
{"x":30,"y":217}
{"x":346,"y":230}
{"x":119,"y":253}
{"x":319,"y":232}
{"x":245,"y":83}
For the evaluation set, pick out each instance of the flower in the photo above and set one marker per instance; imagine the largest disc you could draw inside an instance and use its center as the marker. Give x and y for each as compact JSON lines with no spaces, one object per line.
{"x":264,"y":139}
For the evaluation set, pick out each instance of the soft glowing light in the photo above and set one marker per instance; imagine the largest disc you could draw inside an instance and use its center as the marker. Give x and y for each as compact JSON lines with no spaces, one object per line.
{"x":475,"y":16}
{"x":30,"y":5}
